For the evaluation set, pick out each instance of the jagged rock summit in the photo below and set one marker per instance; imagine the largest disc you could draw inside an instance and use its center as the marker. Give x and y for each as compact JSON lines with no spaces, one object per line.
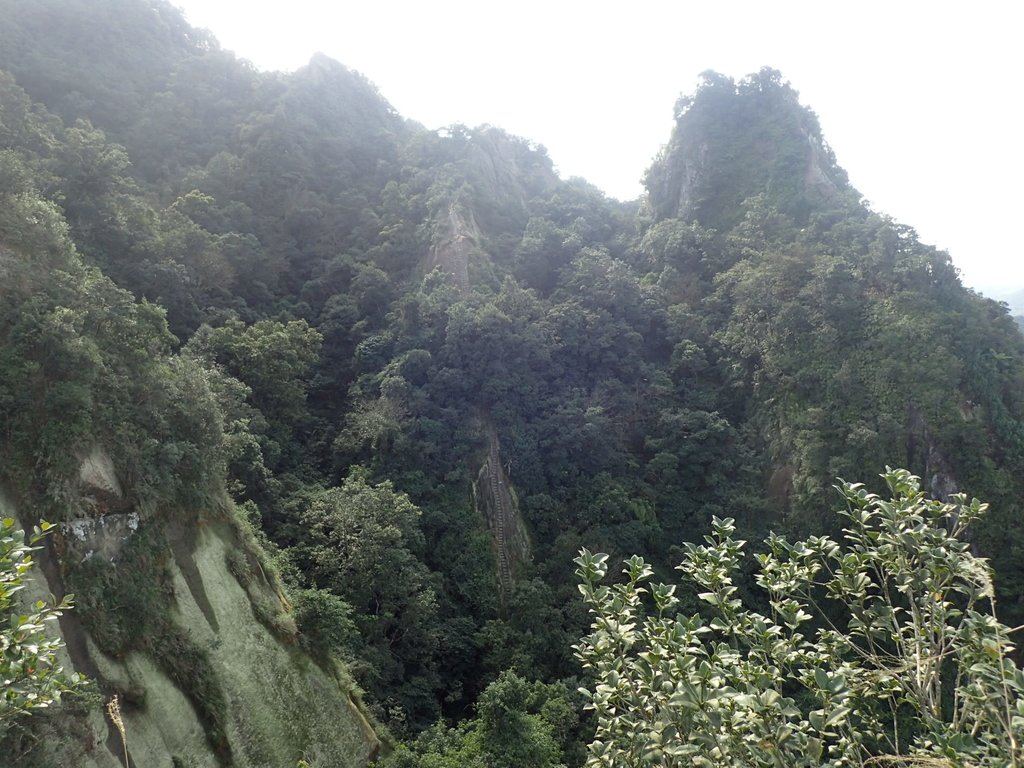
{"x":736,"y":140}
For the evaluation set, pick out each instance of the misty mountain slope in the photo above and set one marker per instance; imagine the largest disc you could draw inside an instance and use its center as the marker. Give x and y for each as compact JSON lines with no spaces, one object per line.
{"x":271,"y":293}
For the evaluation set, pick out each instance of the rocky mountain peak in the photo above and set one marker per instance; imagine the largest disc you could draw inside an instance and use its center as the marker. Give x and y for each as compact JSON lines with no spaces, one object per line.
{"x":734,"y":140}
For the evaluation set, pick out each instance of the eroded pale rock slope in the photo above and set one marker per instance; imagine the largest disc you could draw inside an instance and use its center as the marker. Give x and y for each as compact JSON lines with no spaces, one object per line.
{"x":280,"y":704}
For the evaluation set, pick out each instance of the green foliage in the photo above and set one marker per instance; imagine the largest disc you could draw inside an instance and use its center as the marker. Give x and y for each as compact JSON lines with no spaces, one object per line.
{"x":273,"y":359}
{"x":508,"y":733}
{"x":361,"y":542}
{"x":81,"y":362}
{"x":883,"y":649}
{"x":30,"y":670}
{"x":752,"y":331}
{"x":519,"y":724}
{"x":325,"y":622}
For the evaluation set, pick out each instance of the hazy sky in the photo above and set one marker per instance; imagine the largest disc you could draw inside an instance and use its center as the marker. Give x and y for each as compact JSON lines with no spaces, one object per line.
{"x":919,"y":100}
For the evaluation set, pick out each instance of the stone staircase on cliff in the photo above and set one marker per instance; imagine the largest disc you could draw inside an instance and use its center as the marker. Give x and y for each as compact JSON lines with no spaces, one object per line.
{"x":503,"y":520}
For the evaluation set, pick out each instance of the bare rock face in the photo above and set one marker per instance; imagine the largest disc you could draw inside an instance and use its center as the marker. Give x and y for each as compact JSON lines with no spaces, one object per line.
{"x":97,"y":473}
{"x":496,"y":501}
{"x":926,"y":458}
{"x":101,"y":536}
{"x":458,"y":236}
{"x":817,"y":178}
{"x":104,"y":521}
{"x":485,"y":189}
{"x":274,"y":705}
{"x":780,"y":488}
{"x":509,"y":169}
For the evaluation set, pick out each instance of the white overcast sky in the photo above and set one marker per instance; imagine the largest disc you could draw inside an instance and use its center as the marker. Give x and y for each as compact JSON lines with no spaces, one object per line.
{"x":919,"y":100}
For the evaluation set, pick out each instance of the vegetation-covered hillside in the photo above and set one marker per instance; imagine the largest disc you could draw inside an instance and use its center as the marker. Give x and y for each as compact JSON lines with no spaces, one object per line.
{"x":406,"y":375}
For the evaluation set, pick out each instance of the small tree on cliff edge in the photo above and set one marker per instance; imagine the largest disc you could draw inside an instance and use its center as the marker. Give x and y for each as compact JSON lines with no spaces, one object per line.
{"x":916,"y":673}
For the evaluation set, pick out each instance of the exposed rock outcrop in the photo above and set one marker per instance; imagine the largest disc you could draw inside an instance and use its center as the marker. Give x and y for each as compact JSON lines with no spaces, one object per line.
{"x":495,"y":499}
{"x":925,"y":457}
{"x":457,"y":237}
{"x":278,"y":704}
{"x":745,"y":139}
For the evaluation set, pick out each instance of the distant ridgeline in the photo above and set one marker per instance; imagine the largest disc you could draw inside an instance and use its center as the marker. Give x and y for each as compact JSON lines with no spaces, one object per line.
{"x":326,"y":403}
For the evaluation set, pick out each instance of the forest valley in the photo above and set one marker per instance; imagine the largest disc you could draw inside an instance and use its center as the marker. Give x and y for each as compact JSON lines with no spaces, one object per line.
{"x":266,"y":343}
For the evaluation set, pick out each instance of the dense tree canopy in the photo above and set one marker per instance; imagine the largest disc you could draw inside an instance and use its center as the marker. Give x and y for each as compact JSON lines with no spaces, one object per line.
{"x":272,"y":286}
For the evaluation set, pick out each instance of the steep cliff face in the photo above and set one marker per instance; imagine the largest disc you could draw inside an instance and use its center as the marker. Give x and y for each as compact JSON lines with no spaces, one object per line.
{"x":236,"y":689}
{"x":496,"y":502}
{"x":512,"y":170}
{"x":733,"y":141}
{"x":498,"y":177}
{"x":926,"y":457}
{"x":456,"y":240}
{"x":482,"y":195}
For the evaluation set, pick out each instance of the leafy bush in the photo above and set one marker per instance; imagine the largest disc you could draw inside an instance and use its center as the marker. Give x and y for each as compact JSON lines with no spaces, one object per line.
{"x":29,"y":670}
{"x":325,"y":621}
{"x":917,"y":670}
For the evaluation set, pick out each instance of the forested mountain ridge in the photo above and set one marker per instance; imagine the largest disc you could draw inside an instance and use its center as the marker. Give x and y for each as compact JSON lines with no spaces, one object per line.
{"x":269,"y":300}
